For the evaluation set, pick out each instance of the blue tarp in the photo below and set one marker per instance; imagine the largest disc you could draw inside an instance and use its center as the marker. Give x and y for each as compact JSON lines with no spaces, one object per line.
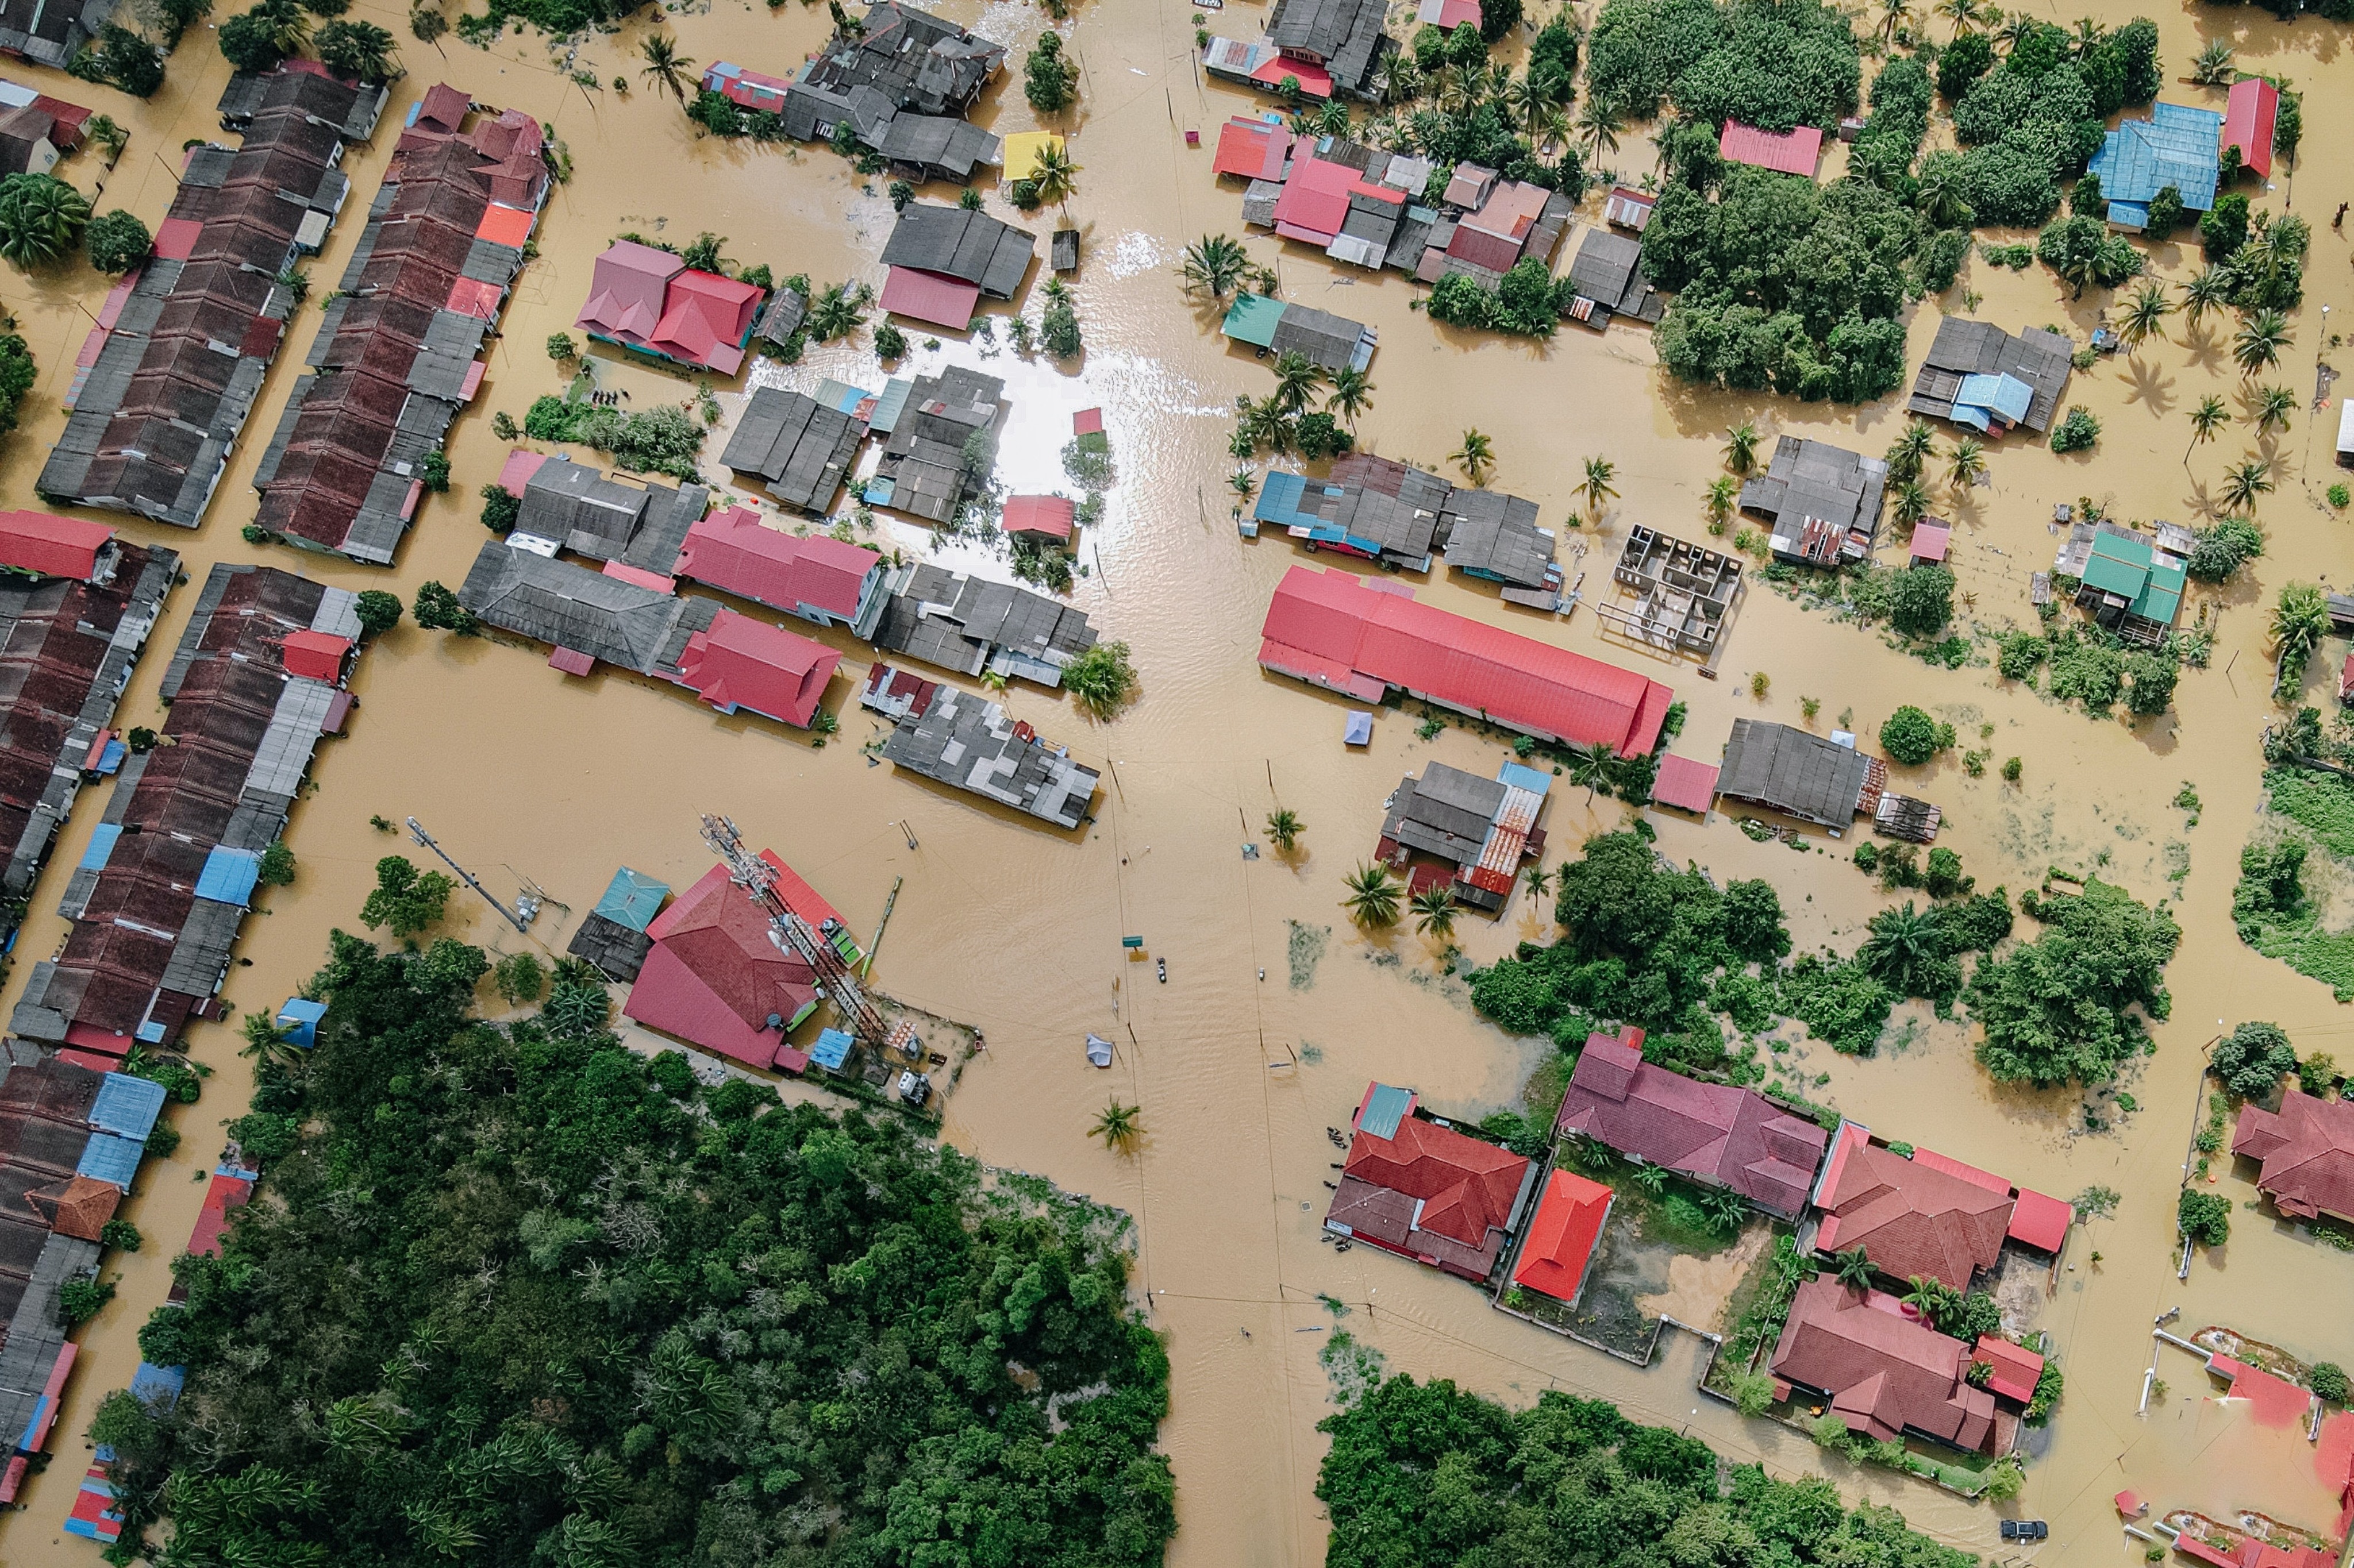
{"x":1384,"y":1109}
{"x":878,"y":491}
{"x":107,"y":1158}
{"x":101,"y":845}
{"x":299,"y":1019}
{"x":110,"y":759}
{"x":127,"y":1105}
{"x":1514,"y":776}
{"x":2176,"y":145}
{"x":2005,"y":396}
{"x":833,"y":1049}
{"x":1285,"y":499}
{"x":228,"y":876}
{"x":632,"y":899}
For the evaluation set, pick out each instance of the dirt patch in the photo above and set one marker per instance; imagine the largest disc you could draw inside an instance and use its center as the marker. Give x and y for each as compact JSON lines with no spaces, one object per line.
{"x":2020,"y":1289}
{"x":1698,"y":1287}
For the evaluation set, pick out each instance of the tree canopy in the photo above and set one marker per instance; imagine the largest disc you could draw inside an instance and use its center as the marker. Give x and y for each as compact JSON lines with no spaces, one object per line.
{"x":2056,"y":1009}
{"x":1772,"y":66}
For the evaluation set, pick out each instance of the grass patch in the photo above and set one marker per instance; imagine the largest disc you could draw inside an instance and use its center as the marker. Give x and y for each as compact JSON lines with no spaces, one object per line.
{"x":2324,"y":955}
{"x":1303,"y":949}
{"x":2321,"y":803}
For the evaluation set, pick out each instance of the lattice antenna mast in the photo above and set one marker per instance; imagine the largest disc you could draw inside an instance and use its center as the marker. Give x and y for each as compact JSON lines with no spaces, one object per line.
{"x":789,"y":932}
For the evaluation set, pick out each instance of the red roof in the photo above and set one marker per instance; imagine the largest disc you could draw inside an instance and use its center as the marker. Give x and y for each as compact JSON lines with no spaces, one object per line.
{"x":516,"y":471}
{"x":621,"y":571}
{"x":1568,"y":1221}
{"x":2039,"y":1221}
{"x":1331,"y":629}
{"x":1252,"y":148}
{"x":572,"y":661}
{"x":2016,"y":1367}
{"x":1685,"y":784}
{"x":742,"y":663}
{"x":2248,"y":120}
{"x":931,"y":297}
{"x":1314,"y":80}
{"x":222,"y":1198}
{"x":317,"y":655}
{"x":1734,"y":1136}
{"x":1791,"y":152}
{"x":1088,"y":422}
{"x":443,"y":108}
{"x":1481,"y":248}
{"x":175,"y":238}
{"x":1430,"y":1192}
{"x":733,"y":551}
{"x":705,"y":319}
{"x":1886,"y":1374}
{"x":713,"y":978}
{"x":504,"y":226}
{"x":1929,"y":540}
{"x":799,"y":896}
{"x":1315,"y":200}
{"x":52,"y":546}
{"x":2307,"y":1149}
{"x":1044,"y":516}
{"x":1909,"y":1217}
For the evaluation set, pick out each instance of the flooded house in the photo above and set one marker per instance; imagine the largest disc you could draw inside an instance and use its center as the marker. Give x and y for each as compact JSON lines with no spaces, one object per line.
{"x":1490,"y":225}
{"x":181,"y":351}
{"x":1481,"y":828}
{"x":1823,"y":501}
{"x":612,"y":936}
{"x":52,"y":32}
{"x":2305,"y":1151}
{"x":1365,"y":637}
{"x":974,"y":745}
{"x":2130,"y":580}
{"x":943,"y":259}
{"x":1606,"y":281}
{"x":77,"y":604}
{"x":650,"y":302}
{"x":1881,"y":1370}
{"x":1557,"y":1251}
{"x":799,"y":448}
{"x":2173,"y":147}
{"x":968,"y":625}
{"x":1799,"y":774}
{"x":1049,"y":522}
{"x":712,"y":977}
{"x":1926,"y":1214}
{"x":394,"y":362}
{"x":1794,"y":151}
{"x":814,"y":576}
{"x":1413,"y":1185}
{"x":1979,"y":376}
{"x":34,"y":129}
{"x":1714,"y":1134}
{"x":1391,"y":512}
{"x":2250,"y":116}
{"x":1331,"y":343}
{"x":1342,"y":39}
{"x":942,"y":146}
{"x":566,"y":505}
{"x":900,"y":61}
{"x":158,"y":897}
{"x":941,"y":444}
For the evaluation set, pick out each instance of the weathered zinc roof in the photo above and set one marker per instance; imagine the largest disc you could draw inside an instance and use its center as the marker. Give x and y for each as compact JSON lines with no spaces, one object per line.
{"x":1496,"y":536}
{"x":964,"y":741}
{"x":971,"y":246}
{"x":948,"y":147}
{"x":1791,"y":771}
{"x":1344,"y":35}
{"x":800,"y":446}
{"x":1334,"y":342}
{"x":1814,"y":478}
{"x":1608,"y":270}
{"x":572,"y":607}
{"x":1964,"y":348}
{"x":1446,"y":812}
{"x":956,"y":621}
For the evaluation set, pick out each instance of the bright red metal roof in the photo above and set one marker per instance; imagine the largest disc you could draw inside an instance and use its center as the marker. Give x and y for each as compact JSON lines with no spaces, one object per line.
{"x":1568,"y":1222}
{"x":2039,"y":1221}
{"x":1252,"y":149}
{"x":52,"y":546}
{"x":1051,"y":516}
{"x":930,"y":297}
{"x":1685,"y":784}
{"x":1791,"y":152}
{"x":2016,"y":1367}
{"x":733,"y":551}
{"x":1315,"y":199}
{"x":317,"y":655}
{"x":1331,"y":629}
{"x":713,"y":978}
{"x":1314,"y":80}
{"x":2248,"y":119}
{"x":739,"y":662}
{"x":504,"y":226}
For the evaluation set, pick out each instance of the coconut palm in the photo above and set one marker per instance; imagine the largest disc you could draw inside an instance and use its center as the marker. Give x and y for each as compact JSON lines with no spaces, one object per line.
{"x":2257,"y":344}
{"x":1894,"y":14}
{"x":2146,"y":313}
{"x":2272,"y":406}
{"x":1434,"y":912}
{"x":1539,"y":879}
{"x":1054,"y":176}
{"x":1721,"y":494}
{"x":1297,"y":379}
{"x":1347,"y":392}
{"x":1926,"y":1297}
{"x":1118,"y":1127}
{"x":669,"y":71}
{"x":1396,"y":79}
{"x":1904,"y":949}
{"x":1284,"y":828}
{"x":1243,"y":483}
{"x":1940,"y":196}
{"x":2205,"y":420}
{"x":1968,"y":463}
{"x":2244,"y":482}
{"x":1741,"y":447}
{"x":1332,"y":118}
{"x":1599,"y":472}
{"x":1592,"y":767}
{"x":1372,"y":897}
{"x":1554,"y":132}
{"x":265,"y":1041}
{"x":1854,"y":1269}
{"x":1525,"y":99}
{"x":1961,"y":13}
{"x":1215,"y":265}
{"x":1599,"y":124}
{"x":1910,"y":502}
{"x":41,"y":219}
{"x":2213,"y":66}
{"x":1476,"y":457}
{"x":1911,"y":452}
{"x":2016,"y":28}
{"x":2209,"y":288}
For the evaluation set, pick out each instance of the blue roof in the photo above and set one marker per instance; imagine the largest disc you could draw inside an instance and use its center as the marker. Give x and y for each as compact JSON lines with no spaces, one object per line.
{"x":1386,"y":1107}
{"x":1283,"y":498}
{"x":832,"y":1048}
{"x":2133,"y":215}
{"x":128,"y":1106}
{"x":841,"y":395}
{"x":108,"y":1157}
{"x":300,"y":1019}
{"x":154,"y":1385}
{"x":632,"y":899}
{"x":1359,"y":729}
{"x":2005,"y":395}
{"x":109,"y":758}
{"x":228,"y":876}
{"x":2176,"y":145}
{"x":1517,"y":777}
{"x":101,"y":845}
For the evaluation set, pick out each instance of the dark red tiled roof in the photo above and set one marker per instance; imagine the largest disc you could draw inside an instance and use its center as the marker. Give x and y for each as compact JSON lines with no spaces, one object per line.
{"x":2307,"y":1149}
{"x":1733,"y":1136}
{"x":1909,"y":1217}
{"x":1431,"y":1192}
{"x":1885,"y":1373}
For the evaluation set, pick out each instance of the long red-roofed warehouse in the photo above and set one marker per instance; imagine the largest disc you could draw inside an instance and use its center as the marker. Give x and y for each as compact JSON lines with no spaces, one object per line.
{"x":1427,"y":1191}
{"x":1334,"y":629}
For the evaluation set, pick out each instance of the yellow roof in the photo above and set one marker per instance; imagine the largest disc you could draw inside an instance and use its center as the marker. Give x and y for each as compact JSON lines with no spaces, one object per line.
{"x":1022,"y":150}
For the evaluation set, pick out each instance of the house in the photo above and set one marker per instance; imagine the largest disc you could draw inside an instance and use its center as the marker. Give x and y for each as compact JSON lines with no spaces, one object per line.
{"x":1448,"y":15}
{"x":590,"y":617}
{"x":1567,"y":1226}
{"x":1495,"y":537}
{"x":1484,"y":828}
{"x":1629,"y":208}
{"x":801,"y":449}
{"x":1342,"y":37}
{"x":1329,"y":342}
{"x":1415,"y":1186}
{"x":1380,"y":509}
{"x":159,"y":894}
{"x":566,"y":505}
{"x":1046,"y":520}
{"x":2250,"y":116}
{"x":2130,"y":580}
{"x":52,"y":32}
{"x":2175,"y":145}
{"x":936,"y":147}
{"x":1883,"y":1372}
{"x":1606,"y":280}
{"x":2305,"y":1152}
{"x":713,"y":978}
{"x":1979,"y":375}
{"x":173,"y":369}
{"x":747,"y":89}
{"x":940,"y":444}
{"x":1261,"y":65}
{"x":1682,"y":593}
{"x":394,"y":362}
{"x":967,"y":625}
{"x":973,"y":745}
{"x":650,"y":302}
{"x":814,"y":576}
{"x":944,"y":259}
{"x":2011,"y":1370}
{"x":1714,"y":1133}
{"x":24,"y":144}
{"x":1360,"y":639}
{"x":1513,"y":222}
{"x":1253,"y":147}
{"x":1799,"y":774}
{"x":1793,"y":152}
{"x":1684,"y":783}
{"x":1910,"y":1217}
{"x":612,"y":936}
{"x":900,"y":61}
{"x":739,"y":663}
{"x":1823,"y":501}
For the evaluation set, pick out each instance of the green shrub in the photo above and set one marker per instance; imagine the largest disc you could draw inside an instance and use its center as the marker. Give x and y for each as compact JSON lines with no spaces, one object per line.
{"x":1911,"y":737}
{"x":2077,"y":432}
{"x":2204,"y":1217}
{"x":2252,"y":1059}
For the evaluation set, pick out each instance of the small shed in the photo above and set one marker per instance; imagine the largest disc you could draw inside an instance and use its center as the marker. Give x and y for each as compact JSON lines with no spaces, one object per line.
{"x":1041,"y":519}
{"x":1929,"y":541}
{"x":1686,"y":784}
{"x":1088,"y":422}
{"x":1063,"y":252}
{"x":1357,"y":729}
{"x":832,"y":1050}
{"x":299,"y":1019}
{"x":618,"y":952}
{"x":2015,"y":1368}
{"x":1629,"y":208}
{"x":1023,"y":150}
{"x":633,"y":899}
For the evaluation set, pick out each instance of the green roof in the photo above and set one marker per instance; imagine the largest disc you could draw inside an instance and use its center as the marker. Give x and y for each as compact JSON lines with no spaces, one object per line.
{"x":1251,"y":320}
{"x":2162,"y":597}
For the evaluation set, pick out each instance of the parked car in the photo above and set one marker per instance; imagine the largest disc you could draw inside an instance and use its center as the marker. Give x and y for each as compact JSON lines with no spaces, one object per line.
{"x":2025,"y":1530}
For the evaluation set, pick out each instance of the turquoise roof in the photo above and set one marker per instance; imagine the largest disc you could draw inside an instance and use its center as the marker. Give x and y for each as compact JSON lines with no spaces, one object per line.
{"x":2176,"y":145}
{"x":1386,"y":1107}
{"x":632,"y":899}
{"x":1251,"y":320}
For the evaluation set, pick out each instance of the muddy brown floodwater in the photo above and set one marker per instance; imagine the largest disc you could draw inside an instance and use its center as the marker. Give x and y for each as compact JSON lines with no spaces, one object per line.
{"x":523,"y":773}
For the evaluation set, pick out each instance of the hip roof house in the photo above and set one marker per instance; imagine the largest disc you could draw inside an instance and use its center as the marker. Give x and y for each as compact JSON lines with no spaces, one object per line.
{"x":1427,"y":1191}
{"x":974,"y":745}
{"x":1567,"y":1227}
{"x":2176,"y":146}
{"x":1799,"y":774}
{"x":650,"y":302}
{"x":713,"y":978}
{"x":566,"y":505}
{"x":739,"y":663}
{"x":1886,"y":1373}
{"x":1910,"y":1216}
{"x":2307,"y":1152}
{"x":1360,"y":639}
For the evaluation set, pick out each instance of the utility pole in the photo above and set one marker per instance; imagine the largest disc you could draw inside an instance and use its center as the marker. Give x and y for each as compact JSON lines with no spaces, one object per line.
{"x":792,"y":933}
{"x":519,"y":917}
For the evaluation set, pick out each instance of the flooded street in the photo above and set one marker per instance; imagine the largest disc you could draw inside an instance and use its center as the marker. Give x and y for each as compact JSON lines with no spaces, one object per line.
{"x":522,"y":773}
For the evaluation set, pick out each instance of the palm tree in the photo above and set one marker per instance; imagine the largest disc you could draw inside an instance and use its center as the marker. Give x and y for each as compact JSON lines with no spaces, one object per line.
{"x":2016,"y":28}
{"x":1476,"y":457}
{"x":1741,"y":447}
{"x":2146,"y":313}
{"x":1296,"y":379}
{"x":1855,"y":1269}
{"x":1910,"y":503}
{"x":1554,"y":131}
{"x":1119,"y":1127}
{"x":1332,"y":119}
{"x":1284,"y":828}
{"x":1592,"y":767}
{"x":665,"y":67}
{"x":1911,"y":452}
{"x":1599,"y":124}
{"x":1904,"y":950}
{"x":2244,"y":483}
{"x":2205,"y":420}
{"x":1961,"y":13}
{"x":1055,"y":176}
{"x":1893,"y":14}
{"x":1539,"y":879}
{"x":2209,"y":288}
{"x":1599,"y":472}
{"x":1968,"y":463}
{"x":1940,"y":197}
{"x":1396,"y":78}
{"x":1243,"y":483}
{"x":1373,"y":898}
{"x":1215,"y":265}
{"x":2272,"y":406}
{"x":2300,"y":620}
{"x":1722,"y":493}
{"x":2257,"y":344}
{"x":1926,"y":1297}
{"x":1434,"y":912}
{"x":1349,"y":392}
{"x":1524,"y":99}
{"x":41,"y":219}
{"x":2213,"y":67}
{"x":265,"y":1041}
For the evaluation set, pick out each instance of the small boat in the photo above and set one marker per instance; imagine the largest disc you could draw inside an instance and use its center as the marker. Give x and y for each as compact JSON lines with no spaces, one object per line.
{"x":1162,"y":965}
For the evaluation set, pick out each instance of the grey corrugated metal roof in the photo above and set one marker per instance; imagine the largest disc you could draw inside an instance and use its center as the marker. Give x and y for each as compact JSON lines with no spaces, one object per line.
{"x":971,"y":744}
{"x":1791,"y":771}
{"x":1497,"y":534}
{"x":800,"y":447}
{"x":283,"y":755}
{"x":570,"y":607}
{"x":787,"y":310}
{"x":969,"y":245}
{"x":200,"y":953}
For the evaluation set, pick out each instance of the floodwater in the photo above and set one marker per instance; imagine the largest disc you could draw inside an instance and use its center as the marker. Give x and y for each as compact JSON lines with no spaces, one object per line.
{"x":526,"y":774}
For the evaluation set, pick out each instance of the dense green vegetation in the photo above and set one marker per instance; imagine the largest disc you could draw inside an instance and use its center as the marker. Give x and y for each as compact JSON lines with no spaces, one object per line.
{"x":2034,"y":119}
{"x":2270,"y":906}
{"x":2057,"y":1010}
{"x":1772,"y":66}
{"x":1426,"y":1476}
{"x":660,"y":440}
{"x":513,"y":1294}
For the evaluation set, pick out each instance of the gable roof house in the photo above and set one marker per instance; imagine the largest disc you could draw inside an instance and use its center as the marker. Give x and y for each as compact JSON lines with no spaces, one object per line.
{"x":1344,"y":36}
{"x":1981,"y":376}
{"x":814,"y":576}
{"x":24,"y":144}
{"x":1884,"y":1374}
{"x":971,"y":744}
{"x":1714,"y":1133}
{"x":738,"y":661}
{"x":1792,"y":152}
{"x":1799,"y":774}
{"x":1558,"y":1248}
{"x":1482,"y":827}
{"x":943,"y":259}
{"x":1910,"y":1216}
{"x":1606,"y":280}
{"x":566,"y":505}
{"x":2130,"y":580}
{"x":52,"y":32}
{"x":1331,"y":342}
{"x":172,"y":377}
{"x":1427,"y":1191}
{"x":901,"y":64}
{"x":1823,"y":501}
{"x":801,"y":447}
{"x":967,"y":624}
{"x":714,"y":979}
{"x":2307,"y":1152}
{"x":2251,"y":115}
{"x":925,"y":468}
{"x":2175,"y":145}
{"x":590,"y":615}
{"x":650,"y":302}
